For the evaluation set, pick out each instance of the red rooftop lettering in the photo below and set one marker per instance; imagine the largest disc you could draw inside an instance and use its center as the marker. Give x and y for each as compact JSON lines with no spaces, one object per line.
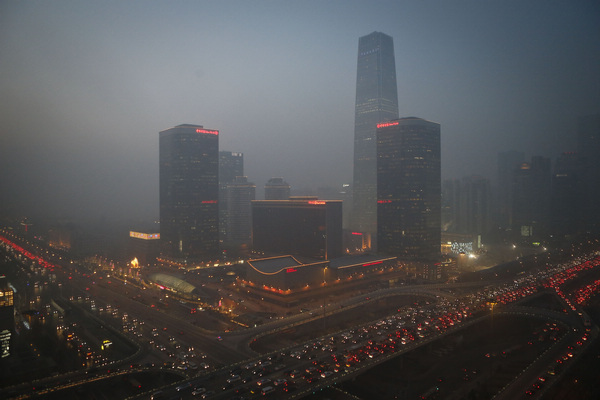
{"x":386,"y":124}
{"x":211,"y":132}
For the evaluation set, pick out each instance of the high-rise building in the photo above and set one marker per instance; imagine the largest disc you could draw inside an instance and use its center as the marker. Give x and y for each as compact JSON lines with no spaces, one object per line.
{"x":303,"y":226}
{"x":532,"y":198}
{"x":7,"y":317}
{"x":238,"y":222}
{"x":376,"y":101}
{"x":508,"y":163}
{"x":231,"y":165}
{"x":277,"y":189}
{"x":568,"y":195}
{"x":189,"y":168}
{"x":475,"y":210}
{"x":588,"y":148}
{"x":450,"y":213}
{"x":409,"y":188}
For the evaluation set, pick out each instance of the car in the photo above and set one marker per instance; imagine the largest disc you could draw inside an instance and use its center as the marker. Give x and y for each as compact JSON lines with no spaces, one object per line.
{"x":263,"y":382}
{"x":267,"y":390}
{"x":198,"y":390}
{"x":183,"y":386}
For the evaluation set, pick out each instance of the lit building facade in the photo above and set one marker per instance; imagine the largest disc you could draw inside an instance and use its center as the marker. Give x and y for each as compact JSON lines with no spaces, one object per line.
{"x":189,"y":169}
{"x":409,"y":188}
{"x":145,"y":247}
{"x":7,"y":318}
{"x":300,"y":226}
{"x":376,"y":101}
{"x":285,"y":275}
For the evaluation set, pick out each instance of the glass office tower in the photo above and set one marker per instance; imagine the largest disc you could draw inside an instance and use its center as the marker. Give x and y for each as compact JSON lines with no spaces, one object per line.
{"x":409,"y":188}
{"x":376,"y":101}
{"x":189,"y":190}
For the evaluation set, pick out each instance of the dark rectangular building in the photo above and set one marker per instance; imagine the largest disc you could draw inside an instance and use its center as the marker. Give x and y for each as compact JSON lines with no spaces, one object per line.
{"x":300,"y":227}
{"x":189,"y":190}
{"x":409,"y":188}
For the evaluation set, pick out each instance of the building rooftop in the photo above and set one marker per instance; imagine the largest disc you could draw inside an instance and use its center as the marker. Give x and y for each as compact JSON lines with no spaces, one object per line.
{"x":273,"y":265}
{"x":358,"y":260}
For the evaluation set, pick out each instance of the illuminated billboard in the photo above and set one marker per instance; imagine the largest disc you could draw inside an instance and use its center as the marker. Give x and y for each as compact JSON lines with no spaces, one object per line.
{"x":144,"y":236}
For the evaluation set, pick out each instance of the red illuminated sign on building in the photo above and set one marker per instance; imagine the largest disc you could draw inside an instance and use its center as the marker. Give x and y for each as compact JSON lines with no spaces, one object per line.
{"x":209,"y":202}
{"x":384,"y":201}
{"x":373,"y":263}
{"x":357,"y":233}
{"x":386,"y":124}
{"x":288,"y":270}
{"x":316,"y":202}
{"x":209,"y":131}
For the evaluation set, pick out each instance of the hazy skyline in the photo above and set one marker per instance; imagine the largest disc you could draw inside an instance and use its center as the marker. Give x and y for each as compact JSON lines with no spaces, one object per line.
{"x":87,"y":86}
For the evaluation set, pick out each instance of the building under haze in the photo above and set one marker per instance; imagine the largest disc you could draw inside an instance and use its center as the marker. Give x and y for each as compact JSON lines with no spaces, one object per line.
{"x":305,"y":227}
{"x":531,"y":194}
{"x":7,"y":317}
{"x":189,"y":190}
{"x":376,"y":101}
{"x":277,"y":189}
{"x":508,"y":163}
{"x":144,"y":246}
{"x":409,"y":188}
{"x":588,"y":148}
{"x":238,"y":219}
{"x":568,"y":199}
{"x":231,"y":165}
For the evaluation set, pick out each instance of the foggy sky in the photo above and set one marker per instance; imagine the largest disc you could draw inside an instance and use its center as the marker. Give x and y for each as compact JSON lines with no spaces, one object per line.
{"x":87,"y":85}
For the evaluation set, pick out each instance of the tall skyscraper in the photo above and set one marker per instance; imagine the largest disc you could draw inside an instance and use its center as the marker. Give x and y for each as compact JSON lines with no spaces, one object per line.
{"x":189,"y":169}
{"x":376,"y":101}
{"x":7,"y":317}
{"x":409,"y":188}
{"x":238,"y":222}
{"x":508,"y":163}
{"x":569,"y":201}
{"x":231,"y":165}
{"x":475,"y":210}
{"x":588,"y":148}
{"x":532,"y":198}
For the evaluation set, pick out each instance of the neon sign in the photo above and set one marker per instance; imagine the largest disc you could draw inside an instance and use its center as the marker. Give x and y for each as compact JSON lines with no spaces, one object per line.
{"x":384,"y":201}
{"x":373,"y":263}
{"x":386,"y":124}
{"x":209,"y":201}
{"x":288,"y":270}
{"x":209,"y":131}
{"x":145,"y":236}
{"x":316,"y":202}
{"x":357,"y":233}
